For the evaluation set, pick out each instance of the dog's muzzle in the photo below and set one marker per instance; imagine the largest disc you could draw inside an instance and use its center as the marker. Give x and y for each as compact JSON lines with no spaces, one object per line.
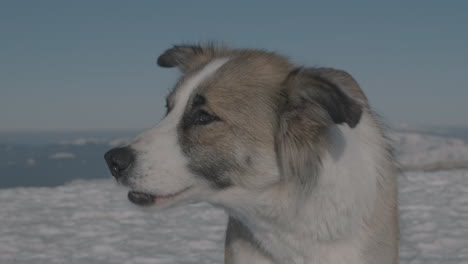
{"x":119,"y":161}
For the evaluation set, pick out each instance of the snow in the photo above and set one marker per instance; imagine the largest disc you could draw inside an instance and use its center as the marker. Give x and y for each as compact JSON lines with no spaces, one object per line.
{"x":92,"y":221}
{"x":434,"y":217}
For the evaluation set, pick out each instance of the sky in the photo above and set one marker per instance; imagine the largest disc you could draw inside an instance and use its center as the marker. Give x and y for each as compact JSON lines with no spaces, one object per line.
{"x":90,"y":65}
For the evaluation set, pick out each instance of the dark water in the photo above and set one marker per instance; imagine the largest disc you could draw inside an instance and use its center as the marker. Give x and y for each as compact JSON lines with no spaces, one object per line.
{"x":26,"y":165}
{"x":52,"y":159}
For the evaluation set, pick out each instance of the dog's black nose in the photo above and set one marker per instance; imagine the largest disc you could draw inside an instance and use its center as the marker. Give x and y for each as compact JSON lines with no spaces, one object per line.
{"x":119,"y":160}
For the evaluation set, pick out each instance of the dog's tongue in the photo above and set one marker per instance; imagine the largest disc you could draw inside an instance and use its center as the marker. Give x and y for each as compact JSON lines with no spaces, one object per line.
{"x":140,"y":198}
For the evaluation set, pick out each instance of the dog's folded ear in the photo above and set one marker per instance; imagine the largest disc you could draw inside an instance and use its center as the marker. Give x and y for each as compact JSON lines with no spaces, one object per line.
{"x":189,"y":57}
{"x":317,"y":94}
{"x":314,"y":100}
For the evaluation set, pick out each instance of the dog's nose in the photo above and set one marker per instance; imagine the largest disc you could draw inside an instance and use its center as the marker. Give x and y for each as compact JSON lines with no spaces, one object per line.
{"x":119,"y":160}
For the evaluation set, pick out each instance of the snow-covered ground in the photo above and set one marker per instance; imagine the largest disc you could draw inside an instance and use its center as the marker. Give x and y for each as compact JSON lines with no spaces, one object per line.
{"x":92,"y":221}
{"x":428,"y":152}
{"x":434,"y":217}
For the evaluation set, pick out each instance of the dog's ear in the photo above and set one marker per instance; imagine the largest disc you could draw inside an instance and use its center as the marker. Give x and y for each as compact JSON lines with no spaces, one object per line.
{"x":312,"y":94}
{"x":189,"y":57}
{"x":314,"y":99}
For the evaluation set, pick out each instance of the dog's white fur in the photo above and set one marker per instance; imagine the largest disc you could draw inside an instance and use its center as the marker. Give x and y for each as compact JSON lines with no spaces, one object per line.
{"x":160,"y":153}
{"x":326,"y":226}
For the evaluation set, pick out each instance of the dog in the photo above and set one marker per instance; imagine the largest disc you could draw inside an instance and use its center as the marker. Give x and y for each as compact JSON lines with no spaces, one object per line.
{"x":295,"y":156}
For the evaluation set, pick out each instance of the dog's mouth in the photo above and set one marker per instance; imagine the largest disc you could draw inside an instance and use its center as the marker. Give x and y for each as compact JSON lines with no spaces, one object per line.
{"x":147,"y":199}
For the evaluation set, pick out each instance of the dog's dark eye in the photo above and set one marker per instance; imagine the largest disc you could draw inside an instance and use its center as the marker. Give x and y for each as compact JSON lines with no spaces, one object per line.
{"x":168,"y":108}
{"x":204,"y":118}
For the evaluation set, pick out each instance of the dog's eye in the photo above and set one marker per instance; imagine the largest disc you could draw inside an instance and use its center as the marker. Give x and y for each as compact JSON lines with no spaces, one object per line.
{"x":168,"y":108}
{"x":204,"y":118}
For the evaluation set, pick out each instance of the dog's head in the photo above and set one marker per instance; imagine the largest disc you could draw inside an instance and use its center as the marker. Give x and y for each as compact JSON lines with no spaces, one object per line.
{"x":237,"y":120}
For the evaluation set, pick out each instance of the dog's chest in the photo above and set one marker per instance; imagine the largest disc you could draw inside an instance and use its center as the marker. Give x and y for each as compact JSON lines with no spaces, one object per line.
{"x":300,"y":248}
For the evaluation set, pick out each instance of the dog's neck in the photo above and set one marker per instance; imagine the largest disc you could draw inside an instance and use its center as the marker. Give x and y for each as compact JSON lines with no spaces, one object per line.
{"x":299,"y":226}
{"x":287,"y":233}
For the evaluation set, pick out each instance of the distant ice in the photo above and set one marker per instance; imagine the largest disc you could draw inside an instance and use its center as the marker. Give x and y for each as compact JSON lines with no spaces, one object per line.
{"x":82,"y":141}
{"x":62,"y":155}
{"x":112,"y":142}
{"x":419,"y":151}
{"x":30,"y":162}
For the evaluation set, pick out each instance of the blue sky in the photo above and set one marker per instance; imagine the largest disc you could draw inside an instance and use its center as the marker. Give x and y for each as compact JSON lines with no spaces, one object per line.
{"x":90,"y":65}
